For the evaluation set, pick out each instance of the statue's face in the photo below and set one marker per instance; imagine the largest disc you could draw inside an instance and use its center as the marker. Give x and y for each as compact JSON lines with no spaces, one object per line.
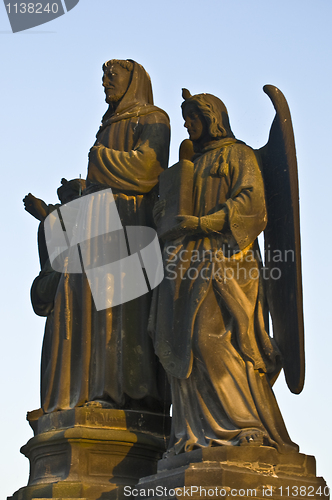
{"x":116,"y":81}
{"x":195,"y":123}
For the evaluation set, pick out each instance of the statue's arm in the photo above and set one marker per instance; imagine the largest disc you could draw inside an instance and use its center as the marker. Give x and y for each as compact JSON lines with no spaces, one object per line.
{"x":246,"y":208}
{"x":43,"y":290}
{"x":136,"y":170}
{"x":37,"y":207}
{"x":244,"y":213}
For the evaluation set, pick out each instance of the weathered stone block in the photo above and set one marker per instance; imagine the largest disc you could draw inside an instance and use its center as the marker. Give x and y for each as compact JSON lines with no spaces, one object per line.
{"x":91,"y":452}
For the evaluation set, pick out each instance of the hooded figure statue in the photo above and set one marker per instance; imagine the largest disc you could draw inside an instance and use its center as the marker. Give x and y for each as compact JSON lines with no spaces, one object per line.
{"x":210,"y":331}
{"x":133,"y":141}
{"x":106,"y":355}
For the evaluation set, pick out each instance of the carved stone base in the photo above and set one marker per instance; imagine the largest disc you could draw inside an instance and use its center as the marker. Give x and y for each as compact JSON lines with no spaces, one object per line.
{"x":91,"y":453}
{"x":235,"y":472}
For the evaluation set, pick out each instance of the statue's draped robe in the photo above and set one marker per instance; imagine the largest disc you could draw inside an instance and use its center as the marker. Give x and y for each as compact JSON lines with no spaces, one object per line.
{"x":107,"y":355}
{"x":210,"y":332}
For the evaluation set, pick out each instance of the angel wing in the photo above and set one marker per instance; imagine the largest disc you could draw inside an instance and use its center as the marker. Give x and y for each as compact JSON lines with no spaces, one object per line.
{"x":282,"y":241}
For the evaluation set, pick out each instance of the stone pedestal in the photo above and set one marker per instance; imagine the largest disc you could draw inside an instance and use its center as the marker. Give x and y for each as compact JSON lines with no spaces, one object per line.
{"x":91,"y":452}
{"x":235,"y":472}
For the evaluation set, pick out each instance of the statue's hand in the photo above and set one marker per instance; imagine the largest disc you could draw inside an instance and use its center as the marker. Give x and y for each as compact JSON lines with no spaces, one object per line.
{"x":35,"y":206}
{"x":158,"y":211}
{"x":188,"y":224}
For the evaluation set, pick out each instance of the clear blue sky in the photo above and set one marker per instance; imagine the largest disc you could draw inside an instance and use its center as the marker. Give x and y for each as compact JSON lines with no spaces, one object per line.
{"x":51,"y":106}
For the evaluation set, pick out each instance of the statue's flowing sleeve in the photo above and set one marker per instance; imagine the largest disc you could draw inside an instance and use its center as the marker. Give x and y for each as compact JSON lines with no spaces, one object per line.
{"x":137,"y":170}
{"x":244,"y":212}
{"x":44,"y":289}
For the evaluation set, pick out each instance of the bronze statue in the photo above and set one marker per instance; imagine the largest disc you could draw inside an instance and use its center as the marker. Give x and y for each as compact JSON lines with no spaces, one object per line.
{"x":211,"y":326}
{"x":106,"y":357}
{"x":44,"y":287}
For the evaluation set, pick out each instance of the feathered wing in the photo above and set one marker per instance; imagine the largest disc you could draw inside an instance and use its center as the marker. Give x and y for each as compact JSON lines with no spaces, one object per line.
{"x":282,"y":241}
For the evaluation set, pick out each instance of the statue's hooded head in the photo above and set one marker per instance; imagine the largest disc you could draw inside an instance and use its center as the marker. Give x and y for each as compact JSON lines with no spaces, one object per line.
{"x":212,"y":110}
{"x":126,"y":84}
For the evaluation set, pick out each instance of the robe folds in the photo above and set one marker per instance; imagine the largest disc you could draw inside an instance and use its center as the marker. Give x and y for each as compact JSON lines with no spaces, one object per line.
{"x":210,"y":332}
{"x":107,"y":355}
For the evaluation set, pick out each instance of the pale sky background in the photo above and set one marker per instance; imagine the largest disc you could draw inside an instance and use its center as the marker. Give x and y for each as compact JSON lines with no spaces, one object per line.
{"x":51,"y":105}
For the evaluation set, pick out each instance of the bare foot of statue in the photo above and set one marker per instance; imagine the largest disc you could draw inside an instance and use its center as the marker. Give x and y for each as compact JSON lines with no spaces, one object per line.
{"x":251,"y":437}
{"x":101,"y":404}
{"x":169,"y":453}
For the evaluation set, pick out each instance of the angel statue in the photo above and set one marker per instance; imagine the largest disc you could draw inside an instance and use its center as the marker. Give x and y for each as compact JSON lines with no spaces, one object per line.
{"x":211,"y":321}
